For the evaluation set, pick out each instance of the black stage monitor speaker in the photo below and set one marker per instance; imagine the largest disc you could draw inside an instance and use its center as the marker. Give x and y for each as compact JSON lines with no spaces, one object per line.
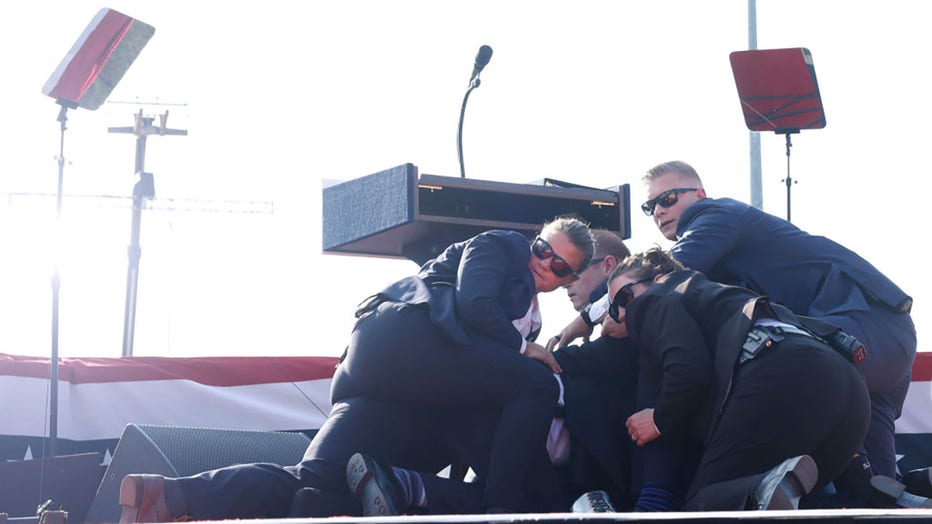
{"x":399,"y":213}
{"x":67,"y":480}
{"x":182,"y":451}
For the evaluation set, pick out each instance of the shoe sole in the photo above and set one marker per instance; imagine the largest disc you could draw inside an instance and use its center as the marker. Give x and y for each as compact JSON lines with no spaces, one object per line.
{"x":362,"y":479}
{"x":131,"y":493}
{"x":897,"y":491}
{"x":593,"y":502}
{"x":802,"y":473}
{"x":135,"y":506}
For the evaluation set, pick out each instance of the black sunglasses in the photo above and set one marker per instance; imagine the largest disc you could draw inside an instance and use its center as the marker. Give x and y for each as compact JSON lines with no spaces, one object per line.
{"x":558,"y":265}
{"x":665,"y":199}
{"x":623,"y":297}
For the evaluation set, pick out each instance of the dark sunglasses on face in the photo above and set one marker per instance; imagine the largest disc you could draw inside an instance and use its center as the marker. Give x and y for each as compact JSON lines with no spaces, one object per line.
{"x":558,"y":265}
{"x":623,"y":297}
{"x":665,"y":199}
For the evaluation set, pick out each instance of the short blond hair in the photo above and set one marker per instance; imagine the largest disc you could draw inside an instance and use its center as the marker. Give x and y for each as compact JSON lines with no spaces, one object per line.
{"x":674,"y":166}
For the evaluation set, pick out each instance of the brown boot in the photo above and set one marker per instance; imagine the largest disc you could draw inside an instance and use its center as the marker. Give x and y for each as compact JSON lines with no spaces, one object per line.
{"x":143,"y":498}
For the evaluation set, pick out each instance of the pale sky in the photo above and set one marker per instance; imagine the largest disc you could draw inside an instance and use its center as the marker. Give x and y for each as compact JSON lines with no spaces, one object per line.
{"x":279,"y":97}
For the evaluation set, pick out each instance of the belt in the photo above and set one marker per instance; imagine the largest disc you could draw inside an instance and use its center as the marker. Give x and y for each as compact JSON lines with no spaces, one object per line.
{"x":761,"y":337}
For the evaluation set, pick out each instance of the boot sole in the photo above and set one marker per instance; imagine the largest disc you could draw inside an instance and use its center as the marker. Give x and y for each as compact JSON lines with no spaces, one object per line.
{"x":136,"y":507}
{"x":363,"y":480}
{"x":802,"y":475}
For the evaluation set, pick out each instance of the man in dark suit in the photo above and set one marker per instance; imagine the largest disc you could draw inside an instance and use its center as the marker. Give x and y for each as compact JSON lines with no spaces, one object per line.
{"x":464,"y":349}
{"x":437,"y":368}
{"x":737,"y":244}
{"x":778,"y":411}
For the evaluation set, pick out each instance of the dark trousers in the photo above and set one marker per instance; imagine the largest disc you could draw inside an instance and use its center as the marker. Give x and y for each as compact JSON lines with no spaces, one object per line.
{"x":421,"y":439}
{"x":798,"y":397}
{"x":396,"y":354}
{"x":666,"y":464}
{"x":408,"y":395}
{"x":890,"y":340}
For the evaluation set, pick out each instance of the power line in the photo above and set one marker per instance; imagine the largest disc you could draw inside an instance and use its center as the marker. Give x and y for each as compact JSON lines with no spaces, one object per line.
{"x":198,"y":205}
{"x":127,"y":102}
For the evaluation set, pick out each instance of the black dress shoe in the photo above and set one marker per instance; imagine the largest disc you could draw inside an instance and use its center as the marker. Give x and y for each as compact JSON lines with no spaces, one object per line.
{"x":895,"y":493}
{"x":593,"y":502}
{"x":919,"y":482}
{"x":785,"y":484}
{"x":375,"y":485}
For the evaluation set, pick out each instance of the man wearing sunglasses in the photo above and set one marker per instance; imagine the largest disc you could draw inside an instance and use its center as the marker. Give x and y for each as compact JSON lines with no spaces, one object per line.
{"x":734,"y":243}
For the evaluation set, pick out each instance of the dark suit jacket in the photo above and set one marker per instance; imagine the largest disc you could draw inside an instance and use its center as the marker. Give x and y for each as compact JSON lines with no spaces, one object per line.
{"x":477,"y":286}
{"x":689,"y":331}
{"x":734,"y":243}
{"x":600,"y":380}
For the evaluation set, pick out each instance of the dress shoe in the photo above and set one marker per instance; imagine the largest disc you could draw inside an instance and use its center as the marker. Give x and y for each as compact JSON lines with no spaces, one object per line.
{"x":375,"y":485}
{"x":593,"y":502}
{"x":919,"y":482}
{"x":785,"y":484}
{"x":145,"y":498}
{"x":895,"y":493}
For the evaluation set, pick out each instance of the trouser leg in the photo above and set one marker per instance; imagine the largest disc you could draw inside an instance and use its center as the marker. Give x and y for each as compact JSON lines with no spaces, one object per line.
{"x":242,"y":491}
{"x":401,"y":434}
{"x":890,"y":341}
{"x":728,"y":495}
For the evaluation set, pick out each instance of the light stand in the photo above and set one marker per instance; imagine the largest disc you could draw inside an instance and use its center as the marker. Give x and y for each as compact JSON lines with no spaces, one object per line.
{"x":56,"y":284}
{"x":788,"y":180}
{"x":84,"y":78}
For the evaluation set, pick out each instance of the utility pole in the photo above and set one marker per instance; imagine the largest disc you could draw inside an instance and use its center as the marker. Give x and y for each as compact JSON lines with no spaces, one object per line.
{"x":142,"y":191}
{"x":757,"y":198}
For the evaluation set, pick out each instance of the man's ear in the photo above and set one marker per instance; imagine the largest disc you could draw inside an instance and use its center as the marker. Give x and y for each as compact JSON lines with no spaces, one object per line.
{"x":609,"y":264}
{"x":700,"y":193}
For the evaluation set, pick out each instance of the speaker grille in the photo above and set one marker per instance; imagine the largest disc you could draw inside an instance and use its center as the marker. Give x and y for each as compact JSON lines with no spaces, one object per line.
{"x":177,"y":451}
{"x":193,"y":450}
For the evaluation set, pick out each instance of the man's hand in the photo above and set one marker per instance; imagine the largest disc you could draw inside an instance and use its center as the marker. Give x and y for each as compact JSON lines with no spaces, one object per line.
{"x":576,"y":329}
{"x":641,"y":427}
{"x":613,"y":329}
{"x":538,"y":352}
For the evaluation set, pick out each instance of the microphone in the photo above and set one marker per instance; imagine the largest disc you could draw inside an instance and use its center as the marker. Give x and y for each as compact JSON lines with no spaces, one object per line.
{"x":482,"y":59}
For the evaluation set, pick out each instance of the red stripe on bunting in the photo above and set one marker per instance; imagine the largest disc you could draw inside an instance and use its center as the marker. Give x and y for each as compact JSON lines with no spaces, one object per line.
{"x":922,"y":367}
{"x":213,"y":371}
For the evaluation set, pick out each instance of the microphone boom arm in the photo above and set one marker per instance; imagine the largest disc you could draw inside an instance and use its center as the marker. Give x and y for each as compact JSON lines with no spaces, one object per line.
{"x":459,"y":133}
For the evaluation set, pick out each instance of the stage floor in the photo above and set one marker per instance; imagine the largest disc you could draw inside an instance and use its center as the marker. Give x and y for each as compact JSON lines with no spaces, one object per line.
{"x":859,"y":516}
